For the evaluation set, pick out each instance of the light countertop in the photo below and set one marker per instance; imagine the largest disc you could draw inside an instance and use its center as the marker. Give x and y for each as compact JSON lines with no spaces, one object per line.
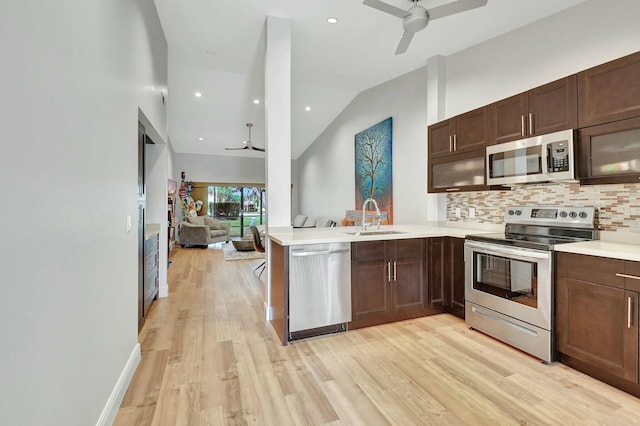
{"x":618,"y":245}
{"x":290,"y":237}
{"x":604,"y":248}
{"x":151,"y":229}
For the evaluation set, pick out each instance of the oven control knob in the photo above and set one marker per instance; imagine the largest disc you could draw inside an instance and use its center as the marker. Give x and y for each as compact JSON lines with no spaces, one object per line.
{"x":573,"y":214}
{"x":510,"y":212}
{"x":563,"y":214}
{"x":583,"y":215}
{"x":518,"y":212}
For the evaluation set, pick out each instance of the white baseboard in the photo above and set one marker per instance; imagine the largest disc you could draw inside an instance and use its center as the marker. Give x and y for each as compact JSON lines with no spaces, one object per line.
{"x":163,"y":291}
{"x":269,"y":312}
{"x":117,"y":395}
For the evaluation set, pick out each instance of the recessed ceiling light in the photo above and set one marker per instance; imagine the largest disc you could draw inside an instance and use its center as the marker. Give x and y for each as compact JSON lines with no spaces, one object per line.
{"x":256,"y":101}
{"x":332,"y":20}
{"x":198,"y":95}
{"x":307,"y":108}
{"x":200,"y":139}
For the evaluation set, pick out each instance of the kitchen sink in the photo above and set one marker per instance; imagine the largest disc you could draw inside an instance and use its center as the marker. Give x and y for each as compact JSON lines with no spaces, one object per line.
{"x":376,"y":232}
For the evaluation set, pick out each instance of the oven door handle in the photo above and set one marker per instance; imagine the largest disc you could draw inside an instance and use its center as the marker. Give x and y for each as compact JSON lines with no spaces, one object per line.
{"x":507,"y":251}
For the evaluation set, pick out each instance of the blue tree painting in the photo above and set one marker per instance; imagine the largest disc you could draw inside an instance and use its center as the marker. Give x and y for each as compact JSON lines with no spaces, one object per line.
{"x":373,"y":166}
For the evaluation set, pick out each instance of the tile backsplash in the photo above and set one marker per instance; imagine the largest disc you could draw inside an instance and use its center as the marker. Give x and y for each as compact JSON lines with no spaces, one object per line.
{"x":617,"y":206}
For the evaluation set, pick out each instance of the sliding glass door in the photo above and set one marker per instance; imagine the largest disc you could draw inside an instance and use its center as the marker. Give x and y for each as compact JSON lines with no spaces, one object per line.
{"x":241,"y":206}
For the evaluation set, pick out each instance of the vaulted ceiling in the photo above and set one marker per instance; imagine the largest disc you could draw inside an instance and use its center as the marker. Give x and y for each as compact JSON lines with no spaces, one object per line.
{"x":216,"y":49}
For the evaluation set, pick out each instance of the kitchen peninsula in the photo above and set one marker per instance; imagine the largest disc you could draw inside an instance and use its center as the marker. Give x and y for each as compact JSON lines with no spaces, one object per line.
{"x":397,"y":271}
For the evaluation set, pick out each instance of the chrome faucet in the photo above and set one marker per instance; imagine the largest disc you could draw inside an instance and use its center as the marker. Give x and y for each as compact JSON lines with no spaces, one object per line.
{"x":364,"y":213}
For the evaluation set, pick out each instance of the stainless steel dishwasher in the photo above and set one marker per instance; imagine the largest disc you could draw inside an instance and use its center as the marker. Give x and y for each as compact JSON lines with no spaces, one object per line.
{"x":319,"y":289}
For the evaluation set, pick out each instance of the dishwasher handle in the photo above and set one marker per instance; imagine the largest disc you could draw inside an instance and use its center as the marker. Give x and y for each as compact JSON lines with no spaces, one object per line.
{"x":317,"y":252}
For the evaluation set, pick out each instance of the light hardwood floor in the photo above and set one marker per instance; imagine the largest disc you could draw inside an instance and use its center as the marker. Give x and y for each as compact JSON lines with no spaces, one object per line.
{"x":209,"y":358}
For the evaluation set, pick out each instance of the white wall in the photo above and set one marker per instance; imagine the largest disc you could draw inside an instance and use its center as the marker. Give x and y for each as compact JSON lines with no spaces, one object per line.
{"x":573,"y":40}
{"x":73,"y":76}
{"x":295,"y":197}
{"x":578,"y":38}
{"x":219,"y":168}
{"x":326,"y":174}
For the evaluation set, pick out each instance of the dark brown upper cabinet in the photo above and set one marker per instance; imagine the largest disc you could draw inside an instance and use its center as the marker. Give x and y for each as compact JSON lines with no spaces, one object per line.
{"x":609,"y":92}
{"x":456,"y":152}
{"x":457,"y":172}
{"x":463,"y":133}
{"x":545,"y":109}
{"x":609,"y":153}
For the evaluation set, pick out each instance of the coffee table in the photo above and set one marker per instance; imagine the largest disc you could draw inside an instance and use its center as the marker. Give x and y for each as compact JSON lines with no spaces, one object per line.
{"x":243,"y":245}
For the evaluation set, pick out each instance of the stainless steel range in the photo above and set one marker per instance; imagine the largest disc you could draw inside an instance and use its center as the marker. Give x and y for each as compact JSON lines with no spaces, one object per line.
{"x":509,"y":277}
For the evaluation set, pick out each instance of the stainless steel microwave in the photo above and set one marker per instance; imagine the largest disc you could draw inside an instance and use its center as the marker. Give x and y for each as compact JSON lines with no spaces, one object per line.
{"x":544,"y":158}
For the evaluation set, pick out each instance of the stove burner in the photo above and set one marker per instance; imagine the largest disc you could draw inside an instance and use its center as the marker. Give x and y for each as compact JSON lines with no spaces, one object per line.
{"x":541,"y":228}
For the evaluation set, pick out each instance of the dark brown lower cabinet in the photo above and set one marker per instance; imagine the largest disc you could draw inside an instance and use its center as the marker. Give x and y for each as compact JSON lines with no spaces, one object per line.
{"x":279,"y":270}
{"x":597,"y":317}
{"x":387,"y":281}
{"x":445,"y":266}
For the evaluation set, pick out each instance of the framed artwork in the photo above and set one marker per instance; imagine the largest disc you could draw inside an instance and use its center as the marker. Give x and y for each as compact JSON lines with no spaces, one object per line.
{"x":373,"y":167}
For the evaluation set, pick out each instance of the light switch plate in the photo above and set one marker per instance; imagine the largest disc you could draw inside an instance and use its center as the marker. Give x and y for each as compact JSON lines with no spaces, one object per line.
{"x":472,"y":212}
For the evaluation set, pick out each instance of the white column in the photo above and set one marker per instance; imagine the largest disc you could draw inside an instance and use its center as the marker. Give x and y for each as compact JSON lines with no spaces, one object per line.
{"x":436,"y":88}
{"x":277,"y":75}
{"x":278,"y":121}
{"x":436,"y":111}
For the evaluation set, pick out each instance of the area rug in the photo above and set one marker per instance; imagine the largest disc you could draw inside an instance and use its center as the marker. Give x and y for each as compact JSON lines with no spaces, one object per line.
{"x":230,"y":253}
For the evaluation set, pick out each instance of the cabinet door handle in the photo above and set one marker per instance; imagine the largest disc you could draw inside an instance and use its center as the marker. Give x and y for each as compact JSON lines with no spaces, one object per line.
{"x":389,"y":271}
{"x":450,"y":143}
{"x":530,"y":123}
{"x":394,"y":271}
{"x":629,"y":312}
{"x":455,"y":140}
{"x":633,"y":277}
{"x":523,"y":128}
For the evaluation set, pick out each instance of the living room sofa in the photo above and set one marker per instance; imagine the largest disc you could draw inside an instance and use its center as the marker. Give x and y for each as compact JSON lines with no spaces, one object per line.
{"x":302,"y":221}
{"x":203,"y":230}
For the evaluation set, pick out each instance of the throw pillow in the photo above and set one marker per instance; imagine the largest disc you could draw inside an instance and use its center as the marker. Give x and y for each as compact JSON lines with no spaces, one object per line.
{"x":325,"y":222}
{"x":310,"y":222}
{"x":196,"y":220}
{"x":299,"y":221}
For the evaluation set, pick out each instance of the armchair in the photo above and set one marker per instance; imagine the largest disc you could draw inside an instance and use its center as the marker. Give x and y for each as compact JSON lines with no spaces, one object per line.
{"x":202,"y":231}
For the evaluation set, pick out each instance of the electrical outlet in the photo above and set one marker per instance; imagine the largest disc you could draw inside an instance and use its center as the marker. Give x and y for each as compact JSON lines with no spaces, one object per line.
{"x":128,"y":223}
{"x":458,"y":212}
{"x":472,"y":212}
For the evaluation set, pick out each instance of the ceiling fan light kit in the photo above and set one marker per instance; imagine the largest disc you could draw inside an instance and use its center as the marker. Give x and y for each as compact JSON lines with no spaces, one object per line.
{"x":247,"y":144}
{"x":417,"y":17}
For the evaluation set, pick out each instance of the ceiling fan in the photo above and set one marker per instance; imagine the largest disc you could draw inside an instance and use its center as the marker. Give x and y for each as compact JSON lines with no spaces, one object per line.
{"x":247,"y":144}
{"x":417,"y":17}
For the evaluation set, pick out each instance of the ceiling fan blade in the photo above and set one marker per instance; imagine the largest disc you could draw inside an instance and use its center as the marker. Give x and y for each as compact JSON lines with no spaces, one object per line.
{"x":257,"y":149}
{"x":454,"y":7}
{"x":404,"y":42}
{"x":235,"y":149}
{"x":387,"y":8}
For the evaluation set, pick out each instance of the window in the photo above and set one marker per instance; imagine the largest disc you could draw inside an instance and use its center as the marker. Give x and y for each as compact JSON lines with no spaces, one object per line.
{"x":242,"y":206}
